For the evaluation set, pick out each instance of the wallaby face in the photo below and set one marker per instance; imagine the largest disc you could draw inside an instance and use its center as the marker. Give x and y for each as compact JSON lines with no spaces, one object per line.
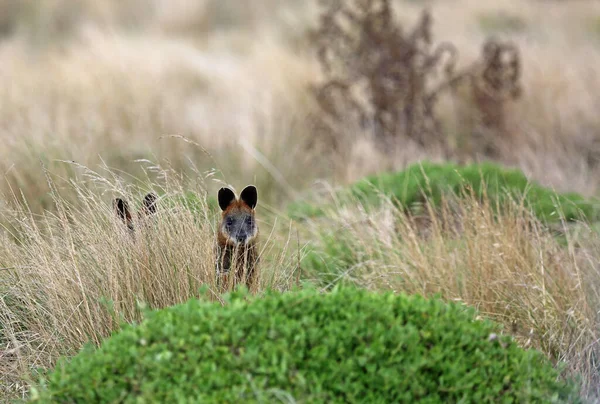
{"x":238,"y":226}
{"x":237,"y":236}
{"x":123,"y":211}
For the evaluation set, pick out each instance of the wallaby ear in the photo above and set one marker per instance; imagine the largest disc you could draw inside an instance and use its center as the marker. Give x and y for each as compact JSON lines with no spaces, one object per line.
{"x":226,"y":196}
{"x":149,"y":204}
{"x":249,"y":196}
{"x":122,"y":209}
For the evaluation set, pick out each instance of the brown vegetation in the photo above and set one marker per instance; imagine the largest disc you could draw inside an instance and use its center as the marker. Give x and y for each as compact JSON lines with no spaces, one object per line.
{"x":117,"y":98}
{"x":383,"y":77}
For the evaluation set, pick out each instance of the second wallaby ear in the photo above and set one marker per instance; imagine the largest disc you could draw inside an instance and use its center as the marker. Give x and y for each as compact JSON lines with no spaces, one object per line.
{"x":249,"y":196}
{"x":226,"y":196}
{"x":122,"y":209}
{"x":149,"y":204}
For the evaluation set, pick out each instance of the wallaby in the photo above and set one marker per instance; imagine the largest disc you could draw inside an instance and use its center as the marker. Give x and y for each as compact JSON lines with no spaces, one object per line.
{"x":124,"y":213}
{"x":237,"y":236}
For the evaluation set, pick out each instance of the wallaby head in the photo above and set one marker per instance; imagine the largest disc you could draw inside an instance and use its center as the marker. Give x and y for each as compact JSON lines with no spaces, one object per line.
{"x":149,"y":204}
{"x":237,"y":252}
{"x":123,"y":211}
{"x":238,"y":226}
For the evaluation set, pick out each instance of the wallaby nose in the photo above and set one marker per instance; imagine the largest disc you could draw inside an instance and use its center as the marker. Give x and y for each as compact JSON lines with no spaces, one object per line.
{"x":240,"y":235}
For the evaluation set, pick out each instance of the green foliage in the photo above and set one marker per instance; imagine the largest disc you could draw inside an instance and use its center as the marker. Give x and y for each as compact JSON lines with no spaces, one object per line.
{"x":430,"y":182}
{"x":335,"y":253}
{"x":348,"y":345}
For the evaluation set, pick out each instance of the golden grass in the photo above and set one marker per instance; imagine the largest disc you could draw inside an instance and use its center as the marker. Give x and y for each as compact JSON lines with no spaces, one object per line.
{"x":74,"y":276}
{"x":113,"y":89}
{"x":164,"y":96}
{"x":545,"y":292}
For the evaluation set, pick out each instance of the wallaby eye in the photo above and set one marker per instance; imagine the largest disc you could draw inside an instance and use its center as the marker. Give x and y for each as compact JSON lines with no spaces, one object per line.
{"x":249,"y":221}
{"x":229,"y":222}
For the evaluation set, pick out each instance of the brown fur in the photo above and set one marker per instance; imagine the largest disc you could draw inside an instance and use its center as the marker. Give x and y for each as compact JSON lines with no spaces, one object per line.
{"x":237,"y":263}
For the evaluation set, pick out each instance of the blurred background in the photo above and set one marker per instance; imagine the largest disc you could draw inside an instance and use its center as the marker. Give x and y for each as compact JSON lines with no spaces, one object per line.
{"x":118,"y":97}
{"x":268,"y":92}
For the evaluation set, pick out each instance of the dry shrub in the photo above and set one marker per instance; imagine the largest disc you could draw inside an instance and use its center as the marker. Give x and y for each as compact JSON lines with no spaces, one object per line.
{"x":381,"y":76}
{"x":378,"y":74}
{"x":493,"y":85}
{"x":75,"y":276}
{"x":510,"y":267}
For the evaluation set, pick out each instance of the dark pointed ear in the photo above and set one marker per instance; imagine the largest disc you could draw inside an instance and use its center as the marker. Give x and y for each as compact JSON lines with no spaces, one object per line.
{"x":249,"y":196}
{"x":122,"y":209}
{"x":226,"y":196}
{"x":149,"y":204}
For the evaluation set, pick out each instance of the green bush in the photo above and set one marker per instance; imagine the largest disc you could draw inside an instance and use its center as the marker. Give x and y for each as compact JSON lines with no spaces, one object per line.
{"x":430,"y":182}
{"x":348,"y":345}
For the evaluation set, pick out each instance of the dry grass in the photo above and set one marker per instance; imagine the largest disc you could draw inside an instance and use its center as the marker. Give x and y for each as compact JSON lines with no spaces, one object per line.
{"x":214,"y":89}
{"x":510,"y":267}
{"x":113,"y":101}
{"x":113,"y":88}
{"x":74,"y":276}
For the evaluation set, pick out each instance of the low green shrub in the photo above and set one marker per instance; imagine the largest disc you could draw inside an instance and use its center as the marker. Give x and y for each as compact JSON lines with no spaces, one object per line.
{"x":430,"y":182}
{"x":348,"y":345}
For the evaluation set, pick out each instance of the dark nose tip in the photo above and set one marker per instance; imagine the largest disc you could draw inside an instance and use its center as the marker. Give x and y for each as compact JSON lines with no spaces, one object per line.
{"x":241,"y":236}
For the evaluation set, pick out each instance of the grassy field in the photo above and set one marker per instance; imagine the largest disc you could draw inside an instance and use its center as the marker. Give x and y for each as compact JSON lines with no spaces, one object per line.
{"x":116,"y":98}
